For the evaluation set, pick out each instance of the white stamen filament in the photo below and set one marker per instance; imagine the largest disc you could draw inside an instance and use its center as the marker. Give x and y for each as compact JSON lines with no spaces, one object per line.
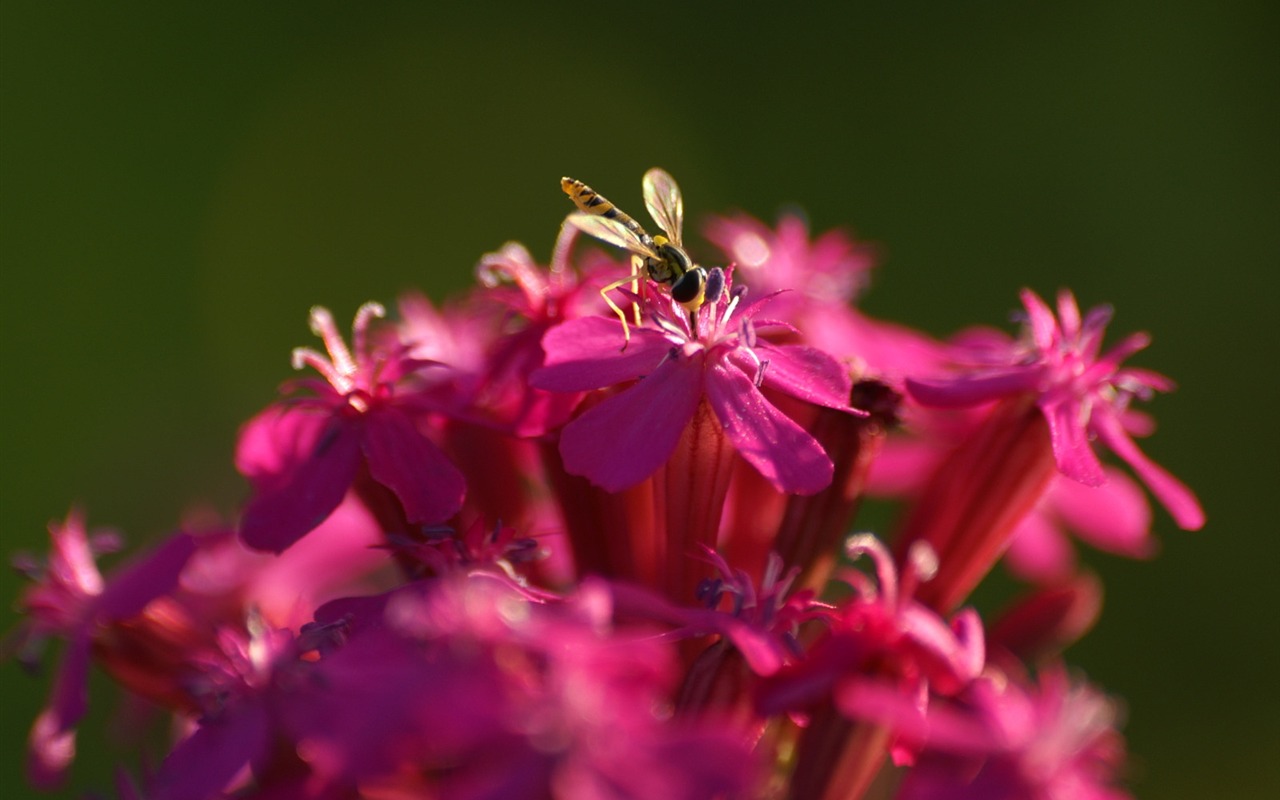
{"x":322,"y":326}
{"x":307,"y":357}
{"x":360,"y":328}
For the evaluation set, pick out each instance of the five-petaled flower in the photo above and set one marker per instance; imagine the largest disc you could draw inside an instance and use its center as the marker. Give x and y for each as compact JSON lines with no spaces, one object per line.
{"x":304,"y":454}
{"x":72,"y":600}
{"x":678,"y":362}
{"x":1081,"y":393}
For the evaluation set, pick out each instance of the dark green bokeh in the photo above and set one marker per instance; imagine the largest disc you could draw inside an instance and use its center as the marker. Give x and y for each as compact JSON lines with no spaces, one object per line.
{"x":179,"y":185}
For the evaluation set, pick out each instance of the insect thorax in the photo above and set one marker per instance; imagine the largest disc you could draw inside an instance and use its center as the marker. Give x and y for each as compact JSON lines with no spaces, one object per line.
{"x":672,"y":261}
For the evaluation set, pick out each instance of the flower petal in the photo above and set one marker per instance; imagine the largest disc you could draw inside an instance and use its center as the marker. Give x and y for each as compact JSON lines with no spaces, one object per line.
{"x":132,"y":588}
{"x":207,"y":760}
{"x":290,"y":503}
{"x":1038,"y":551}
{"x":401,"y":458}
{"x":903,"y":466}
{"x":778,"y":448}
{"x":1044,"y":328}
{"x":70,"y":696}
{"x":51,"y":749}
{"x":587,"y":353}
{"x":1114,"y":517}
{"x":806,"y":373}
{"x":950,"y":655}
{"x":277,"y":439}
{"x":1172,"y":493}
{"x":970,"y":391}
{"x":1071,"y":448}
{"x":623,"y":439}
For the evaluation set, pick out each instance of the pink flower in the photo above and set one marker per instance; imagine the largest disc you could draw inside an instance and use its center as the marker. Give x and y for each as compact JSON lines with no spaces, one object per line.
{"x":468,"y":686}
{"x":72,"y":600}
{"x":883,"y":636}
{"x":303,"y":455}
{"x":822,"y":277}
{"x":761,"y":622}
{"x":677,"y":364}
{"x":1081,"y":394}
{"x":399,"y":639}
{"x":1048,"y":741}
{"x":493,"y":339}
{"x":883,"y":659}
{"x":830,"y":267}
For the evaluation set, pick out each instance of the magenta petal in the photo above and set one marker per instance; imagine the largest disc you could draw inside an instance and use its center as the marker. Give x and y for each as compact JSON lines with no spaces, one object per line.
{"x":429,"y":486}
{"x":207,"y":760}
{"x":277,"y":439}
{"x":1044,"y":328}
{"x":51,"y":749}
{"x":1172,"y":493}
{"x":1038,"y":551}
{"x":1068,"y":313}
{"x":878,"y":700}
{"x":806,"y":373}
{"x":965,"y":392}
{"x":756,"y":647}
{"x":902,"y":466}
{"x":289,"y":505}
{"x":944,"y":727}
{"x":587,"y":353}
{"x":70,"y":696}
{"x":778,"y":448}
{"x":621,"y":441}
{"x":1114,"y":517}
{"x":950,"y":661}
{"x":1071,"y":449}
{"x":971,"y":657}
{"x":130,"y":589}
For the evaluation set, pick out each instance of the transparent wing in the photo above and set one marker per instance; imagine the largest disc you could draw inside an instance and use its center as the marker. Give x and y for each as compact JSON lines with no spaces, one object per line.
{"x":666,"y":206}
{"x":611,"y":232}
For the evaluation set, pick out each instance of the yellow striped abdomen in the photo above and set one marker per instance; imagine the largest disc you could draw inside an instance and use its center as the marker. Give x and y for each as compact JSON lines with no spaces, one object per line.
{"x":589,"y":201}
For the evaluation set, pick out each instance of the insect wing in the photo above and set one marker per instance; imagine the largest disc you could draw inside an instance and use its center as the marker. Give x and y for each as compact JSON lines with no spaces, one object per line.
{"x":610,"y":232}
{"x":666,"y":206}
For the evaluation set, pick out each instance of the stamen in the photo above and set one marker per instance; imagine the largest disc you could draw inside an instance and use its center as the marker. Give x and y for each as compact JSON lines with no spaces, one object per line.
{"x":867,"y":544}
{"x":360,"y":328}
{"x":322,"y":326}
{"x":729,"y":308}
{"x":668,"y":326}
{"x":308,"y":357}
{"x":560,"y":253}
{"x":715,"y":285}
{"x":921,"y":566}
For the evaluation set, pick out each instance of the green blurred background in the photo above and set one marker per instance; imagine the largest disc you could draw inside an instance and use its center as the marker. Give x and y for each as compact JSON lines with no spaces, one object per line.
{"x":179,"y":184}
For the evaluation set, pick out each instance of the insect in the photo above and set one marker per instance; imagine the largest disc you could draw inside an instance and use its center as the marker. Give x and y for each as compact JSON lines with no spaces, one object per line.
{"x":660,"y":258}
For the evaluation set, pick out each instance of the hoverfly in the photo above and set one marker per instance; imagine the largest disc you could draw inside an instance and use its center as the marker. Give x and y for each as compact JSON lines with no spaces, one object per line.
{"x":661,"y":258}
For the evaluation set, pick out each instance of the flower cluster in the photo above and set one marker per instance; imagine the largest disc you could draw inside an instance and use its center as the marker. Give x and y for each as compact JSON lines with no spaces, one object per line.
{"x":516,"y":547}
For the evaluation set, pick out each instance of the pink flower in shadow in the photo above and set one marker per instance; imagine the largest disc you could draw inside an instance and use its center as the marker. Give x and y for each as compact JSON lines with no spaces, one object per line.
{"x":72,"y":600}
{"x":305,"y":453}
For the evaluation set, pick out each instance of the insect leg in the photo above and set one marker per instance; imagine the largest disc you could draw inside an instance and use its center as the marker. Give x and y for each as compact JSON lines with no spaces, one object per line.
{"x":634,"y":280}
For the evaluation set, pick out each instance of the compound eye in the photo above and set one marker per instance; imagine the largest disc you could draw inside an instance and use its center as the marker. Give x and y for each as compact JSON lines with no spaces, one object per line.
{"x":676,"y":256}
{"x":689,"y":287}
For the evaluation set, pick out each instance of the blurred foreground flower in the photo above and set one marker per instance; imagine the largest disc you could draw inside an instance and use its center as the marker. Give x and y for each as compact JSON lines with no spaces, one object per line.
{"x":516,"y":547}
